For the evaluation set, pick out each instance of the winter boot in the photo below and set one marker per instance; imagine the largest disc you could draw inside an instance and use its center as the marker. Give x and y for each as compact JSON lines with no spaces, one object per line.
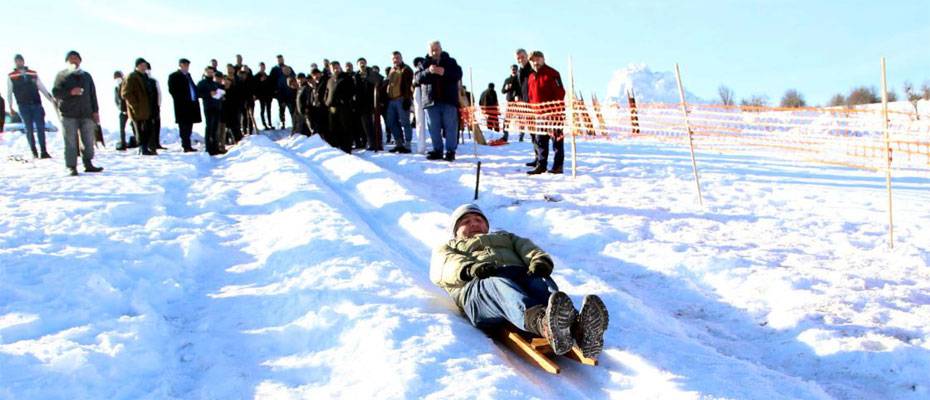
{"x":35,"y":153}
{"x":434,"y":155}
{"x":450,"y":156}
{"x":590,"y":325}
{"x":554,"y":322}
{"x":45,"y":155}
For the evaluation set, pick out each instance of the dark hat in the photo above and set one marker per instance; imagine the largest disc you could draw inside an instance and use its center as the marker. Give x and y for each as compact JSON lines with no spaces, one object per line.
{"x":184,"y":61}
{"x":18,"y":57}
{"x":219,"y":75}
{"x":140,"y":60}
{"x":464,"y":210}
{"x":73,"y":53}
{"x":316,"y":71}
{"x":301,"y":76}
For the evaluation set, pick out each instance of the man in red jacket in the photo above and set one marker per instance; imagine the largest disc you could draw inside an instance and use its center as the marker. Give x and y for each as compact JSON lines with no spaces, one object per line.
{"x":545,"y":85}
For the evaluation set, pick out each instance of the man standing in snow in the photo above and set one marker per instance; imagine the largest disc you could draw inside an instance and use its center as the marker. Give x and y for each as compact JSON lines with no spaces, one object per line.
{"x":488,"y":103}
{"x":440,"y":78}
{"x":399,"y":99}
{"x":135,"y":92}
{"x":499,"y":278}
{"x":24,"y":86}
{"x":545,"y":85}
{"x":186,"y":107}
{"x":340,"y":92}
{"x":77,"y":99}
{"x":211,"y":94}
{"x":512,"y":92}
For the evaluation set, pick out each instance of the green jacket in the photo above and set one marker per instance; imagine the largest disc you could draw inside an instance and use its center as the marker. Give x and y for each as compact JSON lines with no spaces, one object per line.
{"x":450,"y":259}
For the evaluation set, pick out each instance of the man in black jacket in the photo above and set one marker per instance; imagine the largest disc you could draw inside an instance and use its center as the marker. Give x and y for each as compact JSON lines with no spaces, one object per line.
{"x":340,"y":91}
{"x":365,"y":85}
{"x":77,"y":98}
{"x":319,"y":113}
{"x":440,"y":80}
{"x":512,"y":90}
{"x":211,"y":94}
{"x":186,"y":107}
{"x":264,"y":91}
{"x":488,"y":103}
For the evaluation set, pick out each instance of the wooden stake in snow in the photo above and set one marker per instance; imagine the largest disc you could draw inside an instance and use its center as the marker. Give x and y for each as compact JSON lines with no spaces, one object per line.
{"x":684,"y":110}
{"x":474,"y":138}
{"x":570,"y":116}
{"x":477,"y":180}
{"x":887,"y":154}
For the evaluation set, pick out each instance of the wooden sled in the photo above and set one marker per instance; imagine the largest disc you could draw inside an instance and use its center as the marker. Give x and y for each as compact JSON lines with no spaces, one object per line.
{"x":537,"y":350}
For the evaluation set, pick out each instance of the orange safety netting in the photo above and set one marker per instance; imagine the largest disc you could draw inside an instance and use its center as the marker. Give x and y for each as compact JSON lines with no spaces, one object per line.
{"x":841,"y":136}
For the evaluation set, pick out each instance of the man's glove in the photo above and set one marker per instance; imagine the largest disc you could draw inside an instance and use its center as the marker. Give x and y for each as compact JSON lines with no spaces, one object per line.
{"x":481,"y":270}
{"x":540,"y":267}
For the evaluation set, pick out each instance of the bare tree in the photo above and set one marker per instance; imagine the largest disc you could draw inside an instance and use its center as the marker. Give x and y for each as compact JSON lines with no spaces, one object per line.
{"x":925,"y":90}
{"x":757,"y":100}
{"x":892,"y":96}
{"x":793,"y":99}
{"x":837,"y":100}
{"x":726,"y":95}
{"x":862,"y":95}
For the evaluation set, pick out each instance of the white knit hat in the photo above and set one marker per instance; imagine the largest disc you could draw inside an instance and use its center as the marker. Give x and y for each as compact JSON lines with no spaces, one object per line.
{"x":463,"y":210}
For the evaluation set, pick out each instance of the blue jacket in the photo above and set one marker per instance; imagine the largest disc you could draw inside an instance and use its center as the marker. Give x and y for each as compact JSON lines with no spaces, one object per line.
{"x":440,"y":89}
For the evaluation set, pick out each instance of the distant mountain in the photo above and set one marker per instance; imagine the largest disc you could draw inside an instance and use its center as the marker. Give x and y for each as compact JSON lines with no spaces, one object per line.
{"x":648,"y":86}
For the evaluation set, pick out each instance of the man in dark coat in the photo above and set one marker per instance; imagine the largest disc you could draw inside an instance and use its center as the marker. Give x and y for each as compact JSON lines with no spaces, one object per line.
{"x":135,"y":92}
{"x":545,"y":85}
{"x":186,"y":107}
{"x":211,"y":94}
{"x":365,"y":86}
{"x":77,"y":102}
{"x":340,"y":91}
{"x":282,"y":92}
{"x":512,"y":91}
{"x":526,"y":123}
{"x":488,"y":103}
{"x":154,"y":92}
{"x":319,"y":113}
{"x":264,"y":91}
{"x":440,"y":80}
{"x":302,"y":112}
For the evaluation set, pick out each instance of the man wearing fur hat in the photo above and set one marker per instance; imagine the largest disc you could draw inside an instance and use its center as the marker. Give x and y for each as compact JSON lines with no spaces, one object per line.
{"x":499,"y":278}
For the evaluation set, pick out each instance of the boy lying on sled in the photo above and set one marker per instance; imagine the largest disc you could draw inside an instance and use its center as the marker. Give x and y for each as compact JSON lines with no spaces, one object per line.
{"x":499,"y":278}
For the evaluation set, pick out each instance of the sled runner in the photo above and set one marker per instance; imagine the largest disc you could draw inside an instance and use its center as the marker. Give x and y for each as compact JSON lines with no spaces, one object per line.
{"x":537,"y":350}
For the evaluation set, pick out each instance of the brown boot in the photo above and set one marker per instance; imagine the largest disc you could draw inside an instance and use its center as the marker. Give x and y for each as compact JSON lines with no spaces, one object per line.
{"x":590,"y":325}
{"x":554,"y":322}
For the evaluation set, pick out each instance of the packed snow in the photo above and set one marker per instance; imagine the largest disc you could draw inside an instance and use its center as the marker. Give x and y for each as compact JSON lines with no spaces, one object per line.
{"x":646,"y":85}
{"x":287,"y":269}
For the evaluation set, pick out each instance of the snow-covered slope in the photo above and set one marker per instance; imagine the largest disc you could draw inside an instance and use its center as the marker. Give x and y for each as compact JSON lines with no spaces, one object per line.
{"x":647,"y":85}
{"x":286,"y":269}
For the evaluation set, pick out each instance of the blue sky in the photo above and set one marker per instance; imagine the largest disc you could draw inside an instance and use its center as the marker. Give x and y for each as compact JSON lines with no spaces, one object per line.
{"x":754,"y":47}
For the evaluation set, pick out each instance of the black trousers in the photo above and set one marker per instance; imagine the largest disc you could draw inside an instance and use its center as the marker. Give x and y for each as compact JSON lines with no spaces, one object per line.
{"x":365,"y":136}
{"x":541,"y":145}
{"x":123,"y":119}
{"x":341,"y":123}
{"x":265,"y":109}
{"x":211,"y":135}
{"x":184,"y":131}
{"x":144,"y":134}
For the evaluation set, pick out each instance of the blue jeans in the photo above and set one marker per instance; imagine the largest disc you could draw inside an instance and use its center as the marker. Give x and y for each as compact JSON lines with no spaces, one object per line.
{"x":443,"y":122}
{"x":399,"y":118}
{"x":33,"y":121}
{"x":493,"y":301}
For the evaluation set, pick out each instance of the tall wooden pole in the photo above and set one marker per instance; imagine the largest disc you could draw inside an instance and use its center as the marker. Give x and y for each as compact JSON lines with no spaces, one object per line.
{"x":887,"y":154}
{"x":570,"y":117}
{"x":474,"y":115}
{"x":684,"y":110}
